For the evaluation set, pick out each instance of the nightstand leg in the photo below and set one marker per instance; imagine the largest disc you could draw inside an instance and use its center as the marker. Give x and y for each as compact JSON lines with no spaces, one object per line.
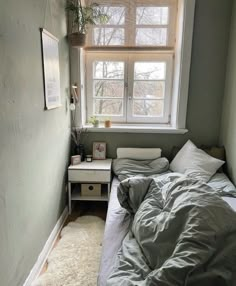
{"x":108,"y":191}
{"x":69,"y":197}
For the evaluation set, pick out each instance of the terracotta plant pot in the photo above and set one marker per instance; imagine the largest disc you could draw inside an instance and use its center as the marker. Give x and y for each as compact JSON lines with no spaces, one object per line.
{"x":77,"y":39}
{"x":107,"y":123}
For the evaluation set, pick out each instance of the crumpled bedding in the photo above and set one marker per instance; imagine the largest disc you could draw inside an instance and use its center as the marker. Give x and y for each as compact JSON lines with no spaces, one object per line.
{"x":182,"y":233}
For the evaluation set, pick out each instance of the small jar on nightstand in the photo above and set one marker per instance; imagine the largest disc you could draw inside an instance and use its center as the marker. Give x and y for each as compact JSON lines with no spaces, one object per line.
{"x":89,"y":158}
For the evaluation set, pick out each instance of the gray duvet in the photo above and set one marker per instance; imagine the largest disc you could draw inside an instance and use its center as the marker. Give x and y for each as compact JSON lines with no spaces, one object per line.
{"x":182,"y":233}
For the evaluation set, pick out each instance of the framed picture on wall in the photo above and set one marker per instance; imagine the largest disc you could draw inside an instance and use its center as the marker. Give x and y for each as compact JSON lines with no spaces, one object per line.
{"x":51,"y":70}
{"x":99,"y":150}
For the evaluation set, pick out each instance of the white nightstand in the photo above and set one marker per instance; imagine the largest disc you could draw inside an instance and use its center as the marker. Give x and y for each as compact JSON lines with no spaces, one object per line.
{"x":94,"y":181}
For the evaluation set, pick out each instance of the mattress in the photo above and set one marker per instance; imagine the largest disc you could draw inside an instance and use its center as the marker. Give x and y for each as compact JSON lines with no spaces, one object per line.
{"x":116,"y":228}
{"x":118,"y":221}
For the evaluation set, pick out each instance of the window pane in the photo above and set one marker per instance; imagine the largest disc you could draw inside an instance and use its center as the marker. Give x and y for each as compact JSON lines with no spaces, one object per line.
{"x":109,"y":36}
{"x":105,"y":69}
{"x":149,"y":70}
{"x":108,"y":107}
{"x":116,"y":14}
{"x":150,"y":108}
{"x":152,"y":15}
{"x":151,"y":89}
{"x":109,"y":88}
{"x":151,"y":36}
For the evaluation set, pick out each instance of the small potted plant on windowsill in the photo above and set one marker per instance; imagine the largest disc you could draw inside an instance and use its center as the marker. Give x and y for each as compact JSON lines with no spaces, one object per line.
{"x":94,"y":121}
{"x":80,"y":18}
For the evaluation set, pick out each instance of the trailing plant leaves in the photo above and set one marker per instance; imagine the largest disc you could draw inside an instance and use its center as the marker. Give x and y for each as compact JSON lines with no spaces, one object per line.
{"x":82,"y":16}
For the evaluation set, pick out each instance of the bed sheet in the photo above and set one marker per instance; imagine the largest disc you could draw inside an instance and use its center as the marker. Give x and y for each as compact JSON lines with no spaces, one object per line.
{"x":231,"y":202}
{"x":222,"y":182}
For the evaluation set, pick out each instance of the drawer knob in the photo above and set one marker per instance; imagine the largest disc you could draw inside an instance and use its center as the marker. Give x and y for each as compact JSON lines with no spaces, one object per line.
{"x":90,"y":188}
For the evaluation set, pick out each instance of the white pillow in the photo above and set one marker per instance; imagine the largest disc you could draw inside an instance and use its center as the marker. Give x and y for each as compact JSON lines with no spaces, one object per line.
{"x":195,"y":162}
{"x":139,"y":153}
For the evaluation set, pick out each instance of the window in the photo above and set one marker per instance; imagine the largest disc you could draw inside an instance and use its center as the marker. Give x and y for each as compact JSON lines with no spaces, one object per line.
{"x":113,"y":33}
{"x":136,"y":23}
{"x":107,"y":87}
{"x":133,"y":63}
{"x":129,"y":88}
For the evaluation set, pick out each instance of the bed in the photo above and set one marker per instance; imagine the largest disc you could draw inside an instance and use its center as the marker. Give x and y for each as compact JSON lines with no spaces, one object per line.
{"x":119,"y":222}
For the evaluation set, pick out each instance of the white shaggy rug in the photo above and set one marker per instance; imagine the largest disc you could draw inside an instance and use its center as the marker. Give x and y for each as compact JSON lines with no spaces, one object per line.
{"x":75,"y":259}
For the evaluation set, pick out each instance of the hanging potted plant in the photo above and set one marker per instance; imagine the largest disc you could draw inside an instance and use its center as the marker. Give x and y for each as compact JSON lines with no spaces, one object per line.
{"x":81,"y":17}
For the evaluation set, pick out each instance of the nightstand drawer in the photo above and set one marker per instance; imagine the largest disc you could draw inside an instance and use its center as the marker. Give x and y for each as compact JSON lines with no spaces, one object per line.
{"x":89,"y":176}
{"x":90,"y":189}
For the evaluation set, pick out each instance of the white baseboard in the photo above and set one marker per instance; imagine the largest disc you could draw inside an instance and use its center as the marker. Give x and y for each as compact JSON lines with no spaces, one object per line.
{"x":34,"y":273}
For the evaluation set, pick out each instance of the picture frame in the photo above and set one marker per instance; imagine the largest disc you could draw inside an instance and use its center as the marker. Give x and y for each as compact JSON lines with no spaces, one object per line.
{"x":99,"y":150}
{"x":51,"y":69}
{"x":75,"y":160}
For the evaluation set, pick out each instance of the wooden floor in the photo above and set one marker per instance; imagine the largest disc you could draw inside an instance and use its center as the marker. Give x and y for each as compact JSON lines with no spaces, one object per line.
{"x":82,"y":208}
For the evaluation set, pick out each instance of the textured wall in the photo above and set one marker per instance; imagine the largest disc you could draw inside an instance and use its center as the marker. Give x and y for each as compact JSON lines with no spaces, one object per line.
{"x":228,"y":126}
{"x":207,"y":78}
{"x":34,"y":143}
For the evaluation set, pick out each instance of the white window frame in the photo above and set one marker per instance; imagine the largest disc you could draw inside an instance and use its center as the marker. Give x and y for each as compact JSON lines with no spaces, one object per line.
{"x":183,"y":51}
{"x":172,"y":18}
{"x":129,"y":61}
{"x":89,"y":59}
{"x":185,"y":24}
{"x":116,"y":3}
{"x":130,"y":26}
{"x":151,"y":57}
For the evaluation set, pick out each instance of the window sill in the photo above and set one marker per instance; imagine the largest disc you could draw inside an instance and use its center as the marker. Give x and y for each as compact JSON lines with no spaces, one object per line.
{"x":136,"y":129}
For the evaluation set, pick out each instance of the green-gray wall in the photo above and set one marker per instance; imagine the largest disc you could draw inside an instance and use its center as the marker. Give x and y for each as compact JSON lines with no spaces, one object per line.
{"x":228,"y":124}
{"x":34,"y":143}
{"x":207,"y":78}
